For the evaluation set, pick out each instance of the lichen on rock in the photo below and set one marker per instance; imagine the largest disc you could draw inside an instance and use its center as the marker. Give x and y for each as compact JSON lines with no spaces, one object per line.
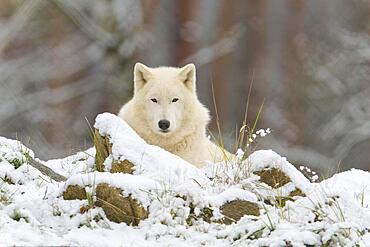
{"x":74,"y":192}
{"x":117,"y":207}
{"x":124,"y":166}
{"x":236,"y":209}
{"x":103,"y":149}
{"x":232,"y":211}
{"x":273,"y":177}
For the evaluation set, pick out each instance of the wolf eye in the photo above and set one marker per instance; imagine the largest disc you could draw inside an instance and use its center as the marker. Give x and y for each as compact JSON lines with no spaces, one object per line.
{"x":175,"y":99}
{"x":154,"y":100}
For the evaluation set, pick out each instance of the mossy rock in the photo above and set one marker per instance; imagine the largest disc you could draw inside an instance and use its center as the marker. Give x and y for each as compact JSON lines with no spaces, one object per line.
{"x":236,"y":209}
{"x":233,"y":211}
{"x":74,"y":192}
{"x":118,"y":208}
{"x":273,"y":177}
{"x":124,"y":166}
{"x":103,"y":149}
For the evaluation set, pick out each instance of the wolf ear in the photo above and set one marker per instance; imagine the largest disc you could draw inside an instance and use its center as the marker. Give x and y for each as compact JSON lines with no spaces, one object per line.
{"x":141,"y":76}
{"x":187,"y":75}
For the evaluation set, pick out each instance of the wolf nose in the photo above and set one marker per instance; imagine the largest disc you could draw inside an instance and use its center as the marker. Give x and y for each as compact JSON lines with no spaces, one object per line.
{"x":164,"y":124}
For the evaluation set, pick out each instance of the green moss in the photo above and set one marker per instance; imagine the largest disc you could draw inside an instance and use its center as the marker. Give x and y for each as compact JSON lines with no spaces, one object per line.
{"x":17,"y":216}
{"x":4,"y":197}
{"x":280,"y":201}
{"x":205,"y":214}
{"x":16,"y":162}
{"x":7,"y":180}
{"x":27,"y":156}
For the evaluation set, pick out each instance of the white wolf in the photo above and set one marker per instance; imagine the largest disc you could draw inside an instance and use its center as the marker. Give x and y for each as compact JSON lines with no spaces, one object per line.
{"x":165,"y":111}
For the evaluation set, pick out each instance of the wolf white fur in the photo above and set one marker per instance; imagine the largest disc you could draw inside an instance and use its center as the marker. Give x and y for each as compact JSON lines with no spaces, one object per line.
{"x":165,"y":111}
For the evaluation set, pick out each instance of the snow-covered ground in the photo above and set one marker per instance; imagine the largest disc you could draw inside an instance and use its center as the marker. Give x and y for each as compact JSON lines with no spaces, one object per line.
{"x":334,"y":212}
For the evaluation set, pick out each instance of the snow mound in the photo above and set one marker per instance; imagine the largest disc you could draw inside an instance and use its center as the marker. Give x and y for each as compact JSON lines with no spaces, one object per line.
{"x":260,"y":201}
{"x":267,"y":159}
{"x":149,"y":160}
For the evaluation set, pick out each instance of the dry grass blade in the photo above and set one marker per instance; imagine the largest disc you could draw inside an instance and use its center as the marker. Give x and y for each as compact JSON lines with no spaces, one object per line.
{"x":241,"y":133}
{"x":248,"y":150}
{"x":219,"y":141}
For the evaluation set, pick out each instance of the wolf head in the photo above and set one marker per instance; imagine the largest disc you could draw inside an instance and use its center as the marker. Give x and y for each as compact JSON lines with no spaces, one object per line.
{"x":167,"y":99}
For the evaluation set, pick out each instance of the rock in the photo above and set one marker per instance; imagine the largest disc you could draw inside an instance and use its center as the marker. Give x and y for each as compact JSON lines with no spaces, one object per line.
{"x":282,"y":177}
{"x":273,"y":177}
{"x":233,"y":211}
{"x":124,"y":166}
{"x":118,"y":208}
{"x":276,"y":178}
{"x":74,"y":192}
{"x":236,"y":209}
{"x":103,"y":149}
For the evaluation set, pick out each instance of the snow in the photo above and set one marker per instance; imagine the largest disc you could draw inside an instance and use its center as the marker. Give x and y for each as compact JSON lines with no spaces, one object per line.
{"x":137,"y":186}
{"x":149,"y":160}
{"x":78,"y":163}
{"x":262,"y":159}
{"x":230,"y":195}
{"x":33,"y":212}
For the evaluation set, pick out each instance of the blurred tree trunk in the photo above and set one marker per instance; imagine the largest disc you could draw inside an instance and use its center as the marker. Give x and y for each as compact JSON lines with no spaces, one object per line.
{"x":241,"y":72}
{"x":185,"y":15}
{"x":5,"y":8}
{"x":207,"y":25}
{"x":274,"y":76}
{"x":295,"y":85}
{"x":162,"y":41}
{"x":256,"y":57}
{"x":220,"y":77}
{"x":61,"y":114}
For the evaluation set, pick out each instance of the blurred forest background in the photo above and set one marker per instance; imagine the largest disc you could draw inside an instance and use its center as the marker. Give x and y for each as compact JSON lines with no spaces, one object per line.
{"x":64,"y":60}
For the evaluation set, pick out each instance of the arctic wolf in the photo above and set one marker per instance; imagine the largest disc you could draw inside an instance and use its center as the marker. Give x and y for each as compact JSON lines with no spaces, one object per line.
{"x":165,"y":111}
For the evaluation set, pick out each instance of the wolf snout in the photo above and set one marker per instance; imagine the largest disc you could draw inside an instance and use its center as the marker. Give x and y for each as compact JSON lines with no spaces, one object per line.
{"x":164,"y":124}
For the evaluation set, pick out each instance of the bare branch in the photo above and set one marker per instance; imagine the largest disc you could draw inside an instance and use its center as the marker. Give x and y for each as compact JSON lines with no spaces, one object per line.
{"x":46,"y":170}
